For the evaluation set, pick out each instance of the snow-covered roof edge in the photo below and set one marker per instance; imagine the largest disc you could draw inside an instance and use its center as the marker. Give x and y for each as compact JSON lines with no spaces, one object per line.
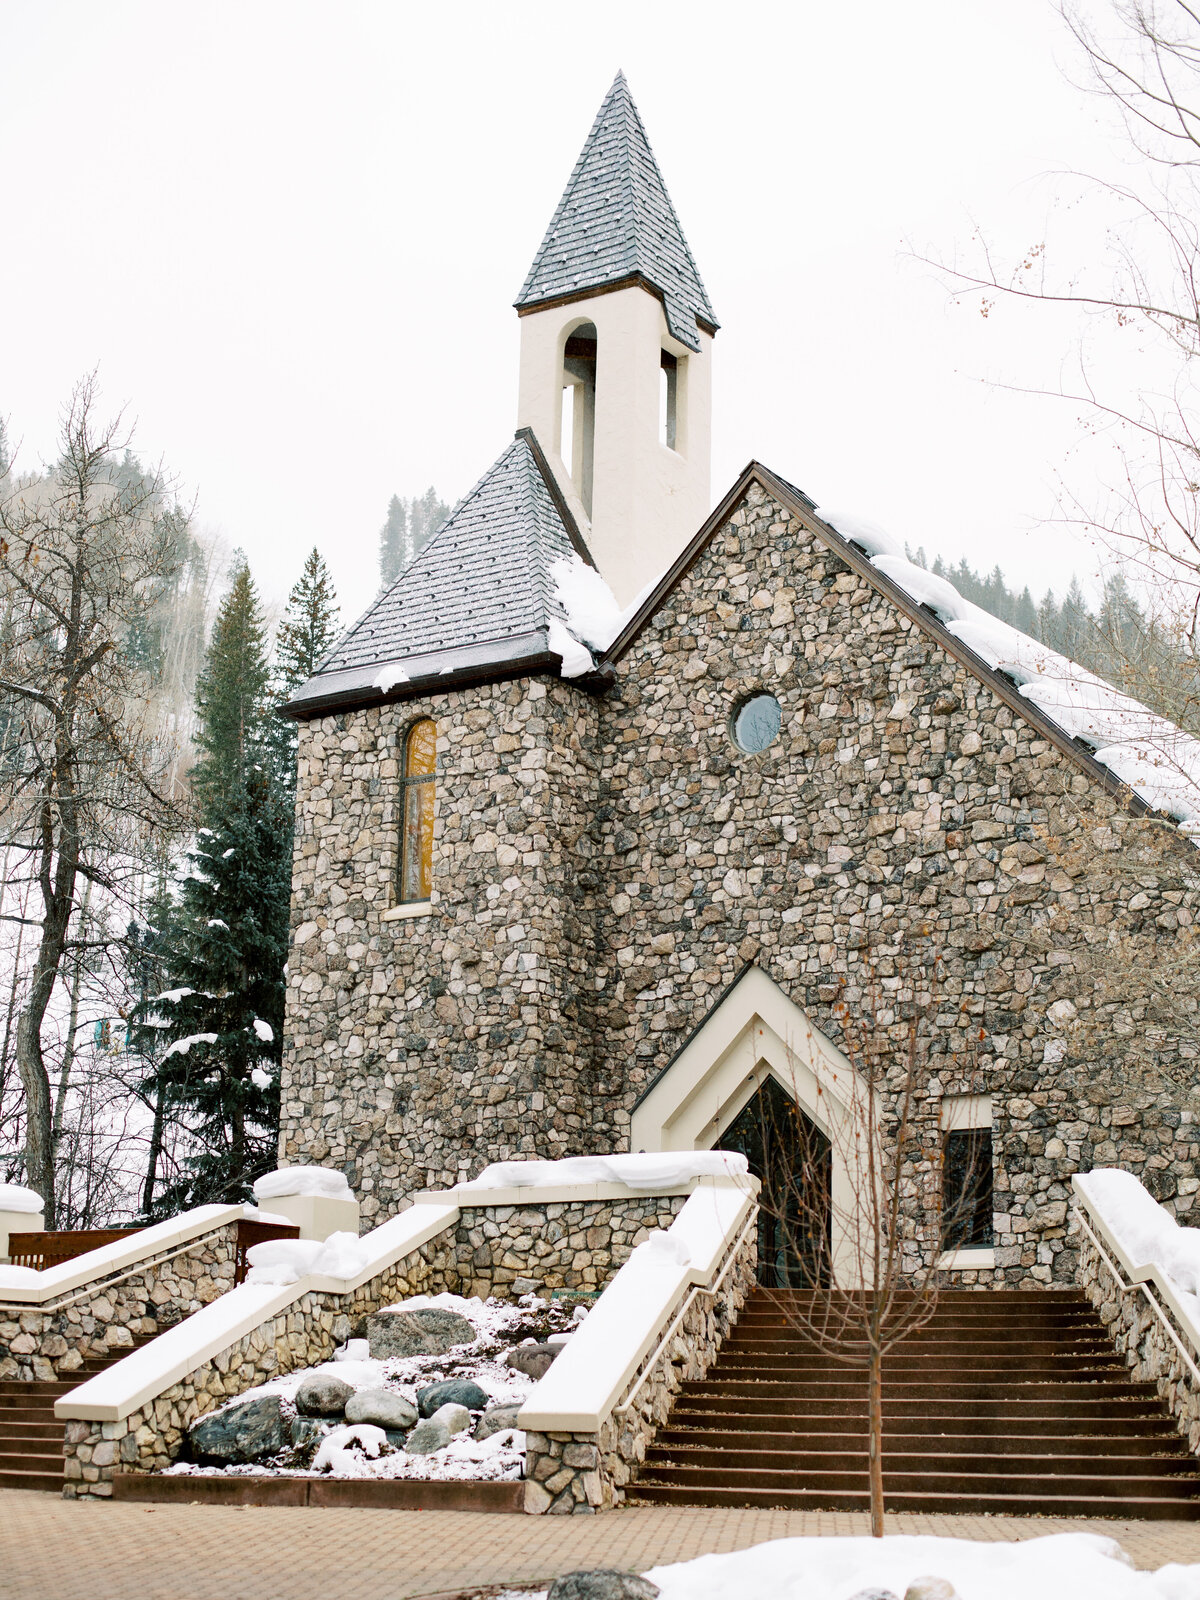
{"x":859,"y":560}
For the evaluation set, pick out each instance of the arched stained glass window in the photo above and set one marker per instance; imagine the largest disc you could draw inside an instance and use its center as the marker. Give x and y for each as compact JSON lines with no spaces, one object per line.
{"x":416,"y":812}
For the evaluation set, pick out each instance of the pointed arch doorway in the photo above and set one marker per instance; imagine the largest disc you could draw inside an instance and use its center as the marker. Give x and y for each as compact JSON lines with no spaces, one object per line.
{"x":714,"y":1094}
{"x":793,"y":1160}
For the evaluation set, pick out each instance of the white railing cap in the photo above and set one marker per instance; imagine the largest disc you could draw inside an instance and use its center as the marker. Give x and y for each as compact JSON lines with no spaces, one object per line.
{"x":599,"y":1362}
{"x":141,"y":1376}
{"x":109,"y":1258}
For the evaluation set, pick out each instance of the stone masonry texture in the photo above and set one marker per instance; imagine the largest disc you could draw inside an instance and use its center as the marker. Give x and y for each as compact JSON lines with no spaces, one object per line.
{"x":42,"y":1343}
{"x":1133,"y":1326}
{"x":503,"y":1250}
{"x":605,"y":865}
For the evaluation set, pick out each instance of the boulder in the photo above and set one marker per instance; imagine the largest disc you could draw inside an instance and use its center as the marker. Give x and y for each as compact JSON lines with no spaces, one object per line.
{"x":243,"y":1432}
{"x":931,"y":1588}
{"x":456,"y":1391}
{"x":427,"y":1436}
{"x":602,"y":1583}
{"x":386,"y":1408}
{"x":306,"y":1431}
{"x":498,"y":1419}
{"x":452,"y":1417}
{"x":322,"y":1396}
{"x":427,"y":1332}
{"x":532,"y":1359}
{"x":874,"y":1593}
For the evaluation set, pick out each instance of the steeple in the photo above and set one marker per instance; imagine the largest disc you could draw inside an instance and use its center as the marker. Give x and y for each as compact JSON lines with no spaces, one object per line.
{"x":616,"y":342}
{"x":615,"y":221}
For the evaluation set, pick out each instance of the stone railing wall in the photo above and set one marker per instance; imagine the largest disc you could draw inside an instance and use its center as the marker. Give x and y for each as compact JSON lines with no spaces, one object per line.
{"x":581,"y":1473}
{"x":507,"y":1250}
{"x":567,"y":1244}
{"x":115,"y":1311}
{"x":1140,"y":1337}
{"x":304,"y":1333}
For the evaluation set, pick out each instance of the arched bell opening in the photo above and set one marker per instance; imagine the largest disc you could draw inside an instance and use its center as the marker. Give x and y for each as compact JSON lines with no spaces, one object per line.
{"x":577,"y":427}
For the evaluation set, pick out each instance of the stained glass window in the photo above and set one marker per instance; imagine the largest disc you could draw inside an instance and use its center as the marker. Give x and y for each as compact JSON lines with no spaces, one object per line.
{"x":416,"y":816}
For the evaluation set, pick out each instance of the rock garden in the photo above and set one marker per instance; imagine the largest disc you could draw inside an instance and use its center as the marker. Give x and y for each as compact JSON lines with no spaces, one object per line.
{"x":428,"y":1388}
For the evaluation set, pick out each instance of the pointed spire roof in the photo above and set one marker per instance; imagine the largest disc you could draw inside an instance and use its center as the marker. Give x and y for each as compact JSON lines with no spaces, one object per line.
{"x":477,"y":600}
{"x":615,"y":221}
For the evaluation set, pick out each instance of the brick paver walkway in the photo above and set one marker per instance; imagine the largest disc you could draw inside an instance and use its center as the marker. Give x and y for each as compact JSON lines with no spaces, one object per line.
{"x":52,"y":1549}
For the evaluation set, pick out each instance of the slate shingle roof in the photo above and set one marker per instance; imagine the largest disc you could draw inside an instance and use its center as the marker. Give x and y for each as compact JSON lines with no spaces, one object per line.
{"x":479,"y":594}
{"x":616,"y":219}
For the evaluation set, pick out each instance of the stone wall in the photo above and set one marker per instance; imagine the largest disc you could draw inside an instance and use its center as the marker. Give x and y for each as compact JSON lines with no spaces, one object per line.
{"x":502,"y":1250}
{"x":606,"y":867}
{"x":116,"y":1311}
{"x":413,"y":1046}
{"x":576,"y":1473}
{"x":303,"y":1334}
{"x":1141,"y":1338}
{"x":514,"y":1250}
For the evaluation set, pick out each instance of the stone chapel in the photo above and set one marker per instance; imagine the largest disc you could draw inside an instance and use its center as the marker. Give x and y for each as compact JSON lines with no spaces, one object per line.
{"x":562,"y":888}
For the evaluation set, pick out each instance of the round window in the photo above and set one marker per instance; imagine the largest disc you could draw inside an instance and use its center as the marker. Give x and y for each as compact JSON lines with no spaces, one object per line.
{"x":756,"y":723}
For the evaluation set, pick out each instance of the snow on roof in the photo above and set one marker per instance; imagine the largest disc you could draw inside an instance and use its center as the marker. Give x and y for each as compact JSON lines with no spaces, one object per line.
{"x":1158,"y":761}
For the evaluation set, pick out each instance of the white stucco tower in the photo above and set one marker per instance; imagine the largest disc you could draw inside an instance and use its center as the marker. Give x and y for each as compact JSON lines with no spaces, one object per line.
{"x":616,"y":355}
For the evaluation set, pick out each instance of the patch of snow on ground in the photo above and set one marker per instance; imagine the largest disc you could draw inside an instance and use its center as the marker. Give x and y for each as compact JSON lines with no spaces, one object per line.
{"x":1054,"y":1567}
{"x":500,"y":1326}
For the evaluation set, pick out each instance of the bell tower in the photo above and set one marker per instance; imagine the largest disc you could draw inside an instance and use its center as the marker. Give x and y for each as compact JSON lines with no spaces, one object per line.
{"x":616,"y":355}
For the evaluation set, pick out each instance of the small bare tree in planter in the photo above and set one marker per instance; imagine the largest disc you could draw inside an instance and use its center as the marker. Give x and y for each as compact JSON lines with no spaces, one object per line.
{"x":872,"y":1239}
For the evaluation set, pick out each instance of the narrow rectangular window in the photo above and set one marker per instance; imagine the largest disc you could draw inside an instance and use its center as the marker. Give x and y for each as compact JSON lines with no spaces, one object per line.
{"x":967,"y":1202}
{"x":668,"y":400}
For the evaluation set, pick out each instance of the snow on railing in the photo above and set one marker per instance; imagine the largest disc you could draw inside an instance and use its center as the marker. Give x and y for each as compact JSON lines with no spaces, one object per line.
{"x":27,"y":1286}
{"x":140,"y":1377}
{"x":635,"y":1316}
{"x":1146,"y":1252}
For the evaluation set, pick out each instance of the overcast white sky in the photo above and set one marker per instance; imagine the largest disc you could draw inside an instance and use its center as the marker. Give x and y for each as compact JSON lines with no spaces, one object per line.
{"x":290,"y":234}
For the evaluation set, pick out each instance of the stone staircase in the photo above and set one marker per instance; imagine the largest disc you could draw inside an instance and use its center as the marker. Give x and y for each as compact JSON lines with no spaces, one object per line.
{"x":1006,"y":1401}
{"x":31,"y":1438}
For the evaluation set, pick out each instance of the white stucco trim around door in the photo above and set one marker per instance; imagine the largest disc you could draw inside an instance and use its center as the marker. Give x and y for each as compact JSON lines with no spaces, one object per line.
{"x":756,"y":1031}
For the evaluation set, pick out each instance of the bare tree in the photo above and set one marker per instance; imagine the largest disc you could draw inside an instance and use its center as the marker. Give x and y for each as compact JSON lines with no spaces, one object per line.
{"x":1141,"y":283}
{"x":858,"y":1209}
{"x":84,"y":554}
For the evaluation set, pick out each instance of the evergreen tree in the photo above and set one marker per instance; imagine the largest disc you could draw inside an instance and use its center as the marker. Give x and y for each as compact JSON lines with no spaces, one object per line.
{"x":231,"y":695}
{"x":425,"y":517}
{"x":309,"y":626}
{"x":394,"y":553}
{"x":218,"y":1024}
{"x":306,"y":634}
{"x":409,"y":527}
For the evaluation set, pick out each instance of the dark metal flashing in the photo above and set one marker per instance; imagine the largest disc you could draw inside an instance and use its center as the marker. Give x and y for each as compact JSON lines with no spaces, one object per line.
{"x":555,"y":492}
{"x":632,"y":280}
{"x":801,"y":506}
